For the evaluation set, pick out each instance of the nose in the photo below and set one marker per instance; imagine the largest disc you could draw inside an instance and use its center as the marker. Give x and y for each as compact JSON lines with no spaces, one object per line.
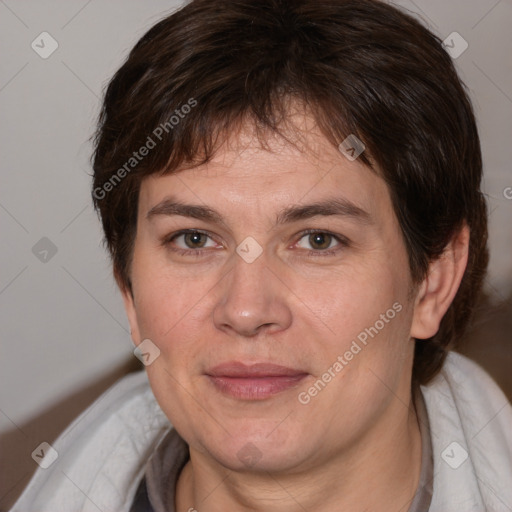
{"x":252,"y":300}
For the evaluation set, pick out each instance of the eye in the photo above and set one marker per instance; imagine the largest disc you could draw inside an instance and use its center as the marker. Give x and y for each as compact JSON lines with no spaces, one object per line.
{"x":189,"y":241}
{"x":321,"y":242}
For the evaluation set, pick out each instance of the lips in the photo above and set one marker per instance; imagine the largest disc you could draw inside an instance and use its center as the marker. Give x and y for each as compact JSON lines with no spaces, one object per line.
{"x":253,"y":381}
{"x":241,"y":370}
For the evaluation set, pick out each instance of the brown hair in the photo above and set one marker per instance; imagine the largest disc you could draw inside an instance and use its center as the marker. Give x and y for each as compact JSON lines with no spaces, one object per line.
{"x":361,"y":66}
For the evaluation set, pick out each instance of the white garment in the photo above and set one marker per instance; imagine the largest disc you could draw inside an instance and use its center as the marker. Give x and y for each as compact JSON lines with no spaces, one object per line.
{"x":102,"y":454}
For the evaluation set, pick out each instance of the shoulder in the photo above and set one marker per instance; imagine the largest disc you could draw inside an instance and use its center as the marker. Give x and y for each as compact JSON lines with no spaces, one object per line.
{"x":478,"y":400}
{"x":471,"y":431}
{"x":104,"y":450}
{"x":459,"y":368}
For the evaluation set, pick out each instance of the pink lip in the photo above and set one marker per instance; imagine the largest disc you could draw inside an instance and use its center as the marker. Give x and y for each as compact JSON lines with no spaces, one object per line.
{"x":253,"y":382}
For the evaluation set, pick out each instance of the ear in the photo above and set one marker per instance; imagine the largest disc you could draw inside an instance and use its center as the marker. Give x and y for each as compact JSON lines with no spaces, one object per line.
{"x":131,"y":313}
{"x":439,"y":288}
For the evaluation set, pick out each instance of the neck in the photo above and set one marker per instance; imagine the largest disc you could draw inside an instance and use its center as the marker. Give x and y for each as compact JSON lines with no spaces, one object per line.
{"x":379,"y":472}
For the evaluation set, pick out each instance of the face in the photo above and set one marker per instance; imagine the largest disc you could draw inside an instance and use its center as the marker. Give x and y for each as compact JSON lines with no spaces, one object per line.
{"x":286,"y":256}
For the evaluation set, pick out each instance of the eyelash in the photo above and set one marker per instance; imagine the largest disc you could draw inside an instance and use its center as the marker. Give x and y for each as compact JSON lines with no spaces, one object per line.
{"x":342,"y":241}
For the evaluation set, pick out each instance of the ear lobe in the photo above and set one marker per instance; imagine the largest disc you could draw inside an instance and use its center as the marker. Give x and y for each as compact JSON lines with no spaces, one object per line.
{"x":439,"y":288}
{"x":131,"y":313}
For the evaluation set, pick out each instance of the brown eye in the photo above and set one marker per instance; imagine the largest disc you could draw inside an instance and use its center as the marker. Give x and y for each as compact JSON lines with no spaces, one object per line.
{"x":195,"y":240}
{"x":322,"y":243}
{"x":317,"y":241}
{"x":320,"y":240}
{"x":189,"y":241}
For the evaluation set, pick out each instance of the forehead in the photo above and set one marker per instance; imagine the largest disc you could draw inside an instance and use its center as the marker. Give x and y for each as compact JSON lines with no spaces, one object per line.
{"x":247,"y":172}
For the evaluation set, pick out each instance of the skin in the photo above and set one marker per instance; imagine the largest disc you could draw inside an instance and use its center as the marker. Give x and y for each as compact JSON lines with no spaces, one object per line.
{"x":292,"y":306}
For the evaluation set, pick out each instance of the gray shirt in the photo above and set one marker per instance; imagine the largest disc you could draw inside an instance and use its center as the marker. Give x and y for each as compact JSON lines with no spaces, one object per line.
{"x":157,"y":490}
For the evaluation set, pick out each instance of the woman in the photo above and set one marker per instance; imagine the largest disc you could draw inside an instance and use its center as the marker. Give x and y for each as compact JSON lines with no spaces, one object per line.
{"x":290,"y":193}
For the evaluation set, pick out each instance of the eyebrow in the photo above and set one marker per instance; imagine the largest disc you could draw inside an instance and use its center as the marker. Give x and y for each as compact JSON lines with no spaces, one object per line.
{"x":330,"y":207}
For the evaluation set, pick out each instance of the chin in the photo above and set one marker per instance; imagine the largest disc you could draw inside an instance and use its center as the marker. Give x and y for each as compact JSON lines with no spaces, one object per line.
{"x":259,"y":452}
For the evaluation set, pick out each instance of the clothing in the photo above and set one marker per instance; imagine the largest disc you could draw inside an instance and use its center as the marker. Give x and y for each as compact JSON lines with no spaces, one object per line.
{"x":157,"y":490}
{"x":103,"y":454}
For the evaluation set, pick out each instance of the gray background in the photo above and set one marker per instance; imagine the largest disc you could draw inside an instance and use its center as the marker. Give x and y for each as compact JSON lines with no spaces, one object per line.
{"x":65,"y":337}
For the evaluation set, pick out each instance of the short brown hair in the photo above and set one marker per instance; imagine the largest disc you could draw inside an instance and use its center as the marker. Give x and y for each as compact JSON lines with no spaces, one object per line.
{"x":361,"y":67}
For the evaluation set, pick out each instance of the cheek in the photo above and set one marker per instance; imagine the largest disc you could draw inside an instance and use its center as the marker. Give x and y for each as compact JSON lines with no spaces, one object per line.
{"x":166,"y":299}
{"x":369,"y":360}
{"x":349,"y":300}
{"x":367,"y":319}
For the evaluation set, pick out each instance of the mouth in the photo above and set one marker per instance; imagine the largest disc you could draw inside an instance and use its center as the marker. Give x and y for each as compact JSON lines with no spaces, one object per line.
{"x":254,"y":382}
